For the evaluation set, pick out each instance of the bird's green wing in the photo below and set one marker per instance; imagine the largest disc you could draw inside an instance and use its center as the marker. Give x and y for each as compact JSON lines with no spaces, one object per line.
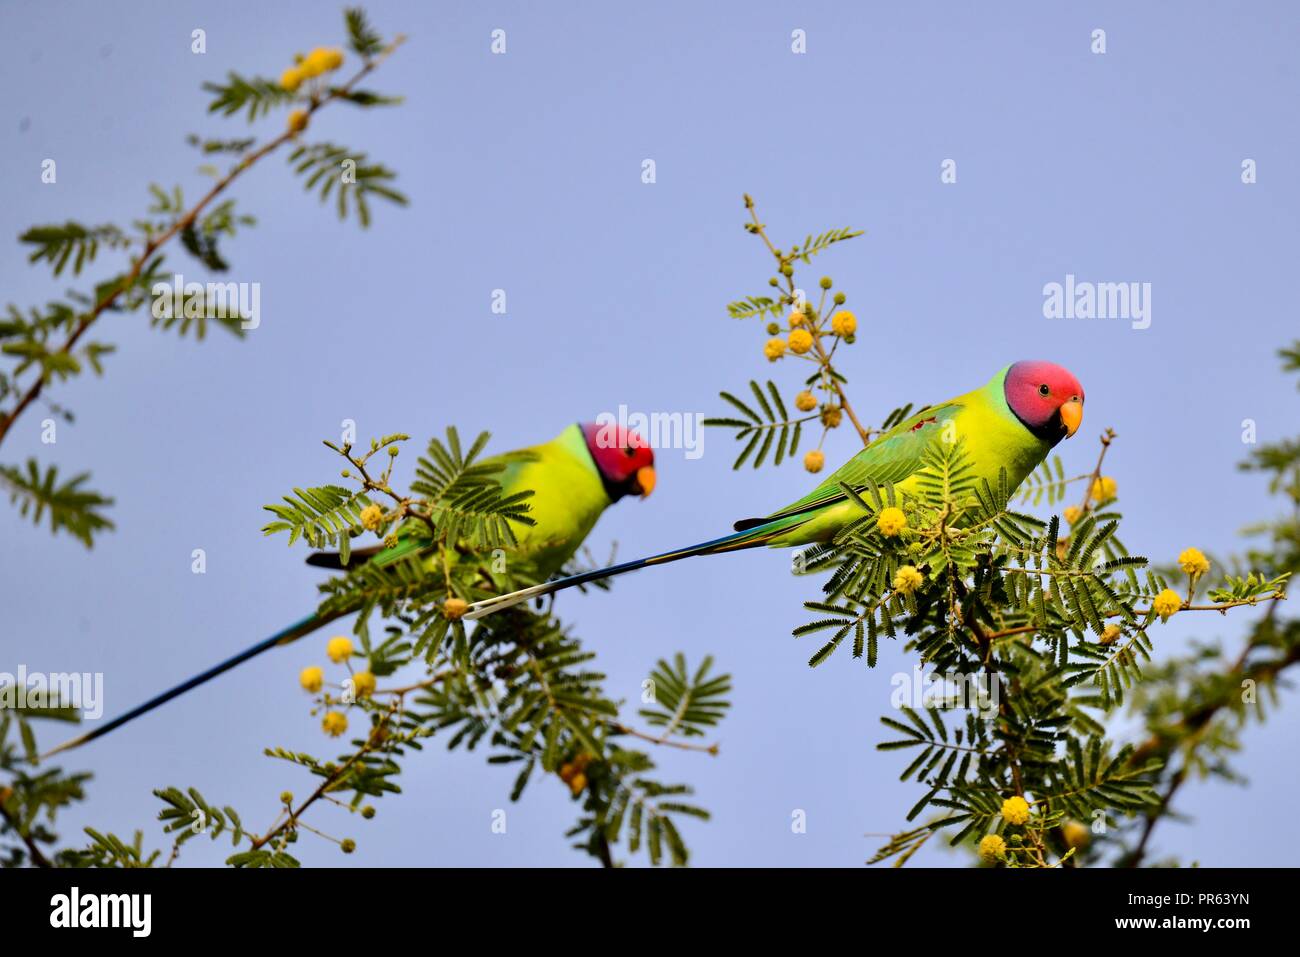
{"x":891,"y":458}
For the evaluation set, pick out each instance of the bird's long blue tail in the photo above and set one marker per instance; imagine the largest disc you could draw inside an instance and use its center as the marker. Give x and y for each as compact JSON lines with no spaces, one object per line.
{"x":747,"y":538}
{"x":281,"y":637}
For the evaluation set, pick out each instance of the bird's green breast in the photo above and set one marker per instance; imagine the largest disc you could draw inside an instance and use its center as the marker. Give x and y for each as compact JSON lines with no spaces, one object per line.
{"x":569,"y":498}
{"x":994,"y":438}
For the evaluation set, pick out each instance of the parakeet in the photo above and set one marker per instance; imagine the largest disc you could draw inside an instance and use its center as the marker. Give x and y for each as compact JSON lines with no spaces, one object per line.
{"x":1010,"y":423}
{"x":574,"y":478}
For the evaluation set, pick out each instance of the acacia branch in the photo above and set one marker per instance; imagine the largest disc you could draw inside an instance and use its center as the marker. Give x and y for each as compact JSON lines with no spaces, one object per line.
{"x":822,"y":358}
{"x":39,"y":859}
{"x":184,"y":222}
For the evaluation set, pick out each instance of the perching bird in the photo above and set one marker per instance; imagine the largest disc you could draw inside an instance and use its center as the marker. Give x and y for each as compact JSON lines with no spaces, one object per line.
{"x":574,"y":478}
{"x":1010,"y":423}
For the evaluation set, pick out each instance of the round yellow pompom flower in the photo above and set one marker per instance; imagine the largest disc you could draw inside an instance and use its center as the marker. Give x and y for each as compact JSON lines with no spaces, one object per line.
{"x":321,"y":60}
{"x":908,"y":579}
{"x":312,"y":679}
{"x":339,"y":648}
{"x":832,"y":415}
{"x":297,"y":121}
{"x":1193,"y":561}
{"x":774,"y":349}
{"x":291,"y":78}
{"x":992,"y":847}
{"x":814,"y":460}
{"x":1072,"y":514}
{"x":1015,"y":810}
{"x":1103,"y":489}
{"x":1076,"y":834}
{"x":334,"y":723}
{"x":797,"y":319}
{"x":891,"y":521}
{"x":455,"y":608}
{"x":1109,"y":634}
{"x":844,"y":323}
{"x":1166,"y":603}
{"x":363,"y":682}
{"x":805,"y":401}
{"x":372,"y":517}
{"x":800,"y":341}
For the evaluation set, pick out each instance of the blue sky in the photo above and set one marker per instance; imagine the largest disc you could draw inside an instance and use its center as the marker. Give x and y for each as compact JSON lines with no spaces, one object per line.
{"x":524,"y":172}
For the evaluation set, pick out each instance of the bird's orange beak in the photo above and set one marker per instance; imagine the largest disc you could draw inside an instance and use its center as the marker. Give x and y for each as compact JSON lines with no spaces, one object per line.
{"x":645,"y":480}
{"x":1072,"y":416}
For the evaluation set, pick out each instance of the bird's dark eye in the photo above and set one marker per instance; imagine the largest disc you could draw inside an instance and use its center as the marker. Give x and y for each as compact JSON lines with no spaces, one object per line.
{"x":628,"y":452}
{"x":1044,"y":390}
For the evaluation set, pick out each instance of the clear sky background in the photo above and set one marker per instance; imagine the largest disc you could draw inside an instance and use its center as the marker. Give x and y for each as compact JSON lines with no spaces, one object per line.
{"x":524,"y":172}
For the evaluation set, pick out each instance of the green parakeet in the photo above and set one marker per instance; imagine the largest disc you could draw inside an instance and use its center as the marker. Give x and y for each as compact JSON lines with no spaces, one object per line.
{"x":1011,"y":423}
{"x":574,"y":478}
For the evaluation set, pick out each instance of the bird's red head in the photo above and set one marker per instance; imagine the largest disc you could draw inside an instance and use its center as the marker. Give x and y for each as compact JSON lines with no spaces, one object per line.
{"x":625,"y":460}
{"x":1046,"y":398}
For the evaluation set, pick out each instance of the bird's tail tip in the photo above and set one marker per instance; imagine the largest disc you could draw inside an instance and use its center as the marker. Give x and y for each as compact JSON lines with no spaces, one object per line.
{"x":488,"y":606}
{"x":65,"y":746}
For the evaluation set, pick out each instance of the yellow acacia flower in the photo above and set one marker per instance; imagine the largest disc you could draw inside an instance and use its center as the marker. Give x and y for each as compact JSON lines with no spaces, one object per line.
{"x":577,"y":783}
{"x":363,"y":682}
{"x":334,"y":723}
{"x":312,"y":679}
{"x":1076,"y":834}
{"x":805,"y":401}
{"x":1103,"y":489}
{"x":339,"y":648}
{"x":291,"y":79}
{"x":1167,"y":603}
{"x":908,"y":579}
{"x":814,"y":460}
{"x":774,"y":349}
{"x":832,"y":416}
{"x":455,"y":608}
{"x":372,"y":517}
{"x":297,"y":121}
{"x":1072,"y":514}
{"x":992,"y":847}
{"x":891,"y":521}
{"x":1109,"y":634}
{"x":800,"y":341}
{"x":1193,"y":561}
{"x":844,"y":323}
{"x":797,"y":319}
{"x":321,"y":60}
{"x":1015,"y":810}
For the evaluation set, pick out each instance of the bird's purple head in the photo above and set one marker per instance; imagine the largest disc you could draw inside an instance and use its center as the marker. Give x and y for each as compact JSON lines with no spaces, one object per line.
{"x":1045,"y":397}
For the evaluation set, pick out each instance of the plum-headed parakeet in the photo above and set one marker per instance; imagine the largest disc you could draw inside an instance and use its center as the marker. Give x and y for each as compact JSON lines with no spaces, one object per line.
{"x":1009,"y":423}
{"x":574,"y":478}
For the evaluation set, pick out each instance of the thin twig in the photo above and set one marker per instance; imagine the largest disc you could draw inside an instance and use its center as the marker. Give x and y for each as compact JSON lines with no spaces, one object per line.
{"x":664,"y":740}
